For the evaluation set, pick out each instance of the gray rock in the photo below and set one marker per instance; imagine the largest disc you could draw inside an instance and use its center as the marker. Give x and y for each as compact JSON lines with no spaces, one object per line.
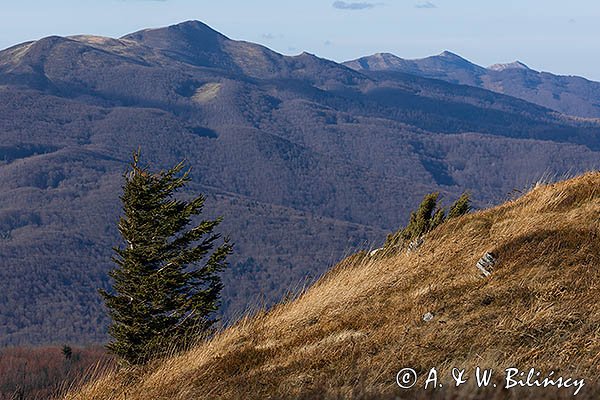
{"x":415,"y":244}
{"x":375,"y":251}
{"x":486,"y":264}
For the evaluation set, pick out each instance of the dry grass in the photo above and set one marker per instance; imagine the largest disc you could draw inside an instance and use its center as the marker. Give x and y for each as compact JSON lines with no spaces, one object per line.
{"x":206,"y":92}
{"x":348,"y":335}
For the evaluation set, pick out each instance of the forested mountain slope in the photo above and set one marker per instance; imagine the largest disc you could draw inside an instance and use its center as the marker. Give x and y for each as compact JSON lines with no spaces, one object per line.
{"x":572,"y":95}
{"x":306,"y":159}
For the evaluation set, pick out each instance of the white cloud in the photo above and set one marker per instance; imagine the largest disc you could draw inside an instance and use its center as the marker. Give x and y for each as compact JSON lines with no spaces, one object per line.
{"x":426,"y":4}
{"x":343,"y":5}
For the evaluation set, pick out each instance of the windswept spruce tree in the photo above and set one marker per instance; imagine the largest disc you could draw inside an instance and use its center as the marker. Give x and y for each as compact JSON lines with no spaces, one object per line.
{"x":166,"y":283}
{"x":427,"y":217}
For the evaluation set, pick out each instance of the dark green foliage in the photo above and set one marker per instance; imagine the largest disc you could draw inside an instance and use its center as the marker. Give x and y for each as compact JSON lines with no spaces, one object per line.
{"x":421,"y":221}
{"x":438,"y":218}
{"x":166,"y":282}
{"x":427,"y":217}
{"x":461,"y":206}
{"x":67,"y":352}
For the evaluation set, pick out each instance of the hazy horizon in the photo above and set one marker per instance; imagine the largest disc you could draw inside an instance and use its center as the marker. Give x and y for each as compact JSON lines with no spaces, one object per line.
{"x":545,"y":35}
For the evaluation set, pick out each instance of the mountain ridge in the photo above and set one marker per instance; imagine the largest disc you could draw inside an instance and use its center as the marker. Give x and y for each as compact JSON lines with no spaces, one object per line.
{"x":305,"y":158}
{"x":572,"y":95}
{"x":513,"y":65}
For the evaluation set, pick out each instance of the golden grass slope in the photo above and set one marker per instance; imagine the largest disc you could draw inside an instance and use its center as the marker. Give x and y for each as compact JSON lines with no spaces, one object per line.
{"x":348,"y":335}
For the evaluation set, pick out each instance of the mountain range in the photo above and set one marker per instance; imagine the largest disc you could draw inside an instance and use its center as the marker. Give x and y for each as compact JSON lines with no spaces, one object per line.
{"x":572,"y":95}
{"x":306,"y":159}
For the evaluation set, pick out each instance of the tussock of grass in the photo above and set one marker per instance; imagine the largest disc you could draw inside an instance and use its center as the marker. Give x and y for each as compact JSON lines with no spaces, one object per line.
{"x":349,"y":334}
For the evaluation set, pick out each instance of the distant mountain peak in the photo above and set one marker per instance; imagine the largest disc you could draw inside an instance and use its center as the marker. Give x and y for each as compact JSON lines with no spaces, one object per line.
{"x":192,"y":23}
{"x":391,"y":62}
{"x":192,"y":30}
{"x":450,"y":62}
{"x":186,"y":25}
{"x":449,"y":54}
{"x":385,"y":55}
{"x":512,"y":65}
{"x":197,"y":26}
{"x":190,"y":41}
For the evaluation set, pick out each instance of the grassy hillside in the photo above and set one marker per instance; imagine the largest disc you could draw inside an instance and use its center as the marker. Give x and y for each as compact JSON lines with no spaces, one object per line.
{"x":349,"y":335}
{"x":302,"y":156}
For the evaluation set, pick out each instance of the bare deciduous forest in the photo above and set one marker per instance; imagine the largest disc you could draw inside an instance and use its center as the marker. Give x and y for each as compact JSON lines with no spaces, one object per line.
{"x":45,"y":372}
{"x":307,"y":160}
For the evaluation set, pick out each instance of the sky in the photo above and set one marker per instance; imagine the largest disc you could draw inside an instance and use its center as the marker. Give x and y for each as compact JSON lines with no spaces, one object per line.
{"x":557,"y":36}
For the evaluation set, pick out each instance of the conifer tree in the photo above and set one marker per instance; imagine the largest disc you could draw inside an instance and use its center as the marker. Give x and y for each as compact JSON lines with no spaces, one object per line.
{"x":67,"y":352}
{"x":421,"y":220}
{"x":461,"y":206}
{"x":427,"y":217}
{"x":166,"y":283}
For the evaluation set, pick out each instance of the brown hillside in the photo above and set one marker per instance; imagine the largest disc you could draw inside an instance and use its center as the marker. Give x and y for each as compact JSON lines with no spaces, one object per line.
{"x":349,"y":335}
{"x":304,"y":158}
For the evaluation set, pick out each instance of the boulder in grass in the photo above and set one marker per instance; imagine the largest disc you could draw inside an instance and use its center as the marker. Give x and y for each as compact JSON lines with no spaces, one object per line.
{"x":415,"y":244}
{"x":486,"y":264}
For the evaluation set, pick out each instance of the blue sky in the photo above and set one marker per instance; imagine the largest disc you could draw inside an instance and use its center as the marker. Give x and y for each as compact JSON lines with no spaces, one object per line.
{"x":550,"y":35}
